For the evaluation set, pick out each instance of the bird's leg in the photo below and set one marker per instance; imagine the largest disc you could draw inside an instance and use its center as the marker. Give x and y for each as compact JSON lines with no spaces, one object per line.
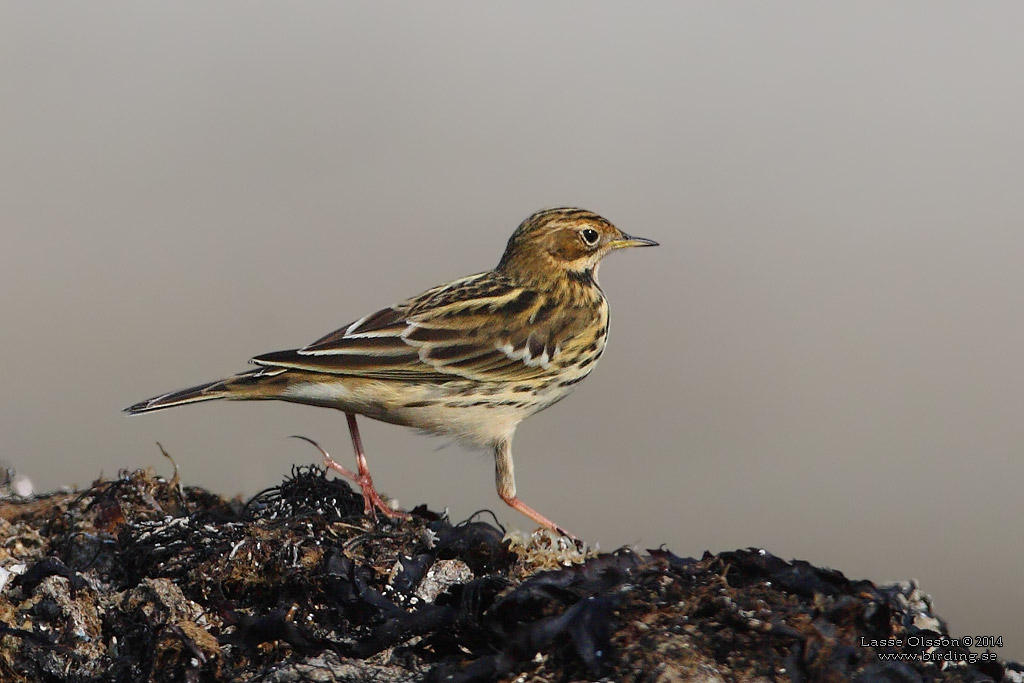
{"x":505,"y":478}
{"x":372,"y":500}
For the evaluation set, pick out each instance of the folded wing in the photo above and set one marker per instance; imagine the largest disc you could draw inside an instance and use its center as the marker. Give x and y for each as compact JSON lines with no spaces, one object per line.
{"x":483,"y":328}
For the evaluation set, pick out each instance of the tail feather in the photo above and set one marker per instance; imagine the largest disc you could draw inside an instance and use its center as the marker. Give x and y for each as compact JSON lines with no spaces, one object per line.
{"x":261,"y":383}
{"x":203,"y":392}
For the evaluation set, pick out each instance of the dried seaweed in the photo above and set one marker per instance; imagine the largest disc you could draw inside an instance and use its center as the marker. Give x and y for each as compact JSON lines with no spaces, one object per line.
{"x":141,"y":579}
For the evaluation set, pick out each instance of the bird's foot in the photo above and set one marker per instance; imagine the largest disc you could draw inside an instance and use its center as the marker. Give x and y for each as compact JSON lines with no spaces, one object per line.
{"x":372,"y":500}
{"x":515,"y":503}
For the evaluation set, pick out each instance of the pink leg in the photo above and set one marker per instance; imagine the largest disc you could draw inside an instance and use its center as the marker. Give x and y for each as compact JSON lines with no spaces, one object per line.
{"x":506,"y":481}
{"x":372,"y":501}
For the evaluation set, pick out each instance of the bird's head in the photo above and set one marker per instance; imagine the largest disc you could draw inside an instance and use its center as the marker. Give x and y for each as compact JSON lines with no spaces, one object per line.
{"x":566,"y":241}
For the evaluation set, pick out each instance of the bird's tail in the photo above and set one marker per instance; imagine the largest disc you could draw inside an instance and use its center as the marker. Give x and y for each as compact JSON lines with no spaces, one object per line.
{"x":243,"y":386}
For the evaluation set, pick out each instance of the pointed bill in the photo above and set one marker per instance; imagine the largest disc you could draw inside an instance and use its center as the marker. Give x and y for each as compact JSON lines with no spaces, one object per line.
{"x":629,"y":241}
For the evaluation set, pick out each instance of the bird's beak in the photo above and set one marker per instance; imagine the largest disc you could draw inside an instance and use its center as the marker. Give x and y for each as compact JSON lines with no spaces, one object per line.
{"x":630,"y":241}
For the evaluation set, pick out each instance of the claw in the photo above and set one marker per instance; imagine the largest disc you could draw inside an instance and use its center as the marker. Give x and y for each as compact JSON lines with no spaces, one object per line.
{"x":372,"y":501}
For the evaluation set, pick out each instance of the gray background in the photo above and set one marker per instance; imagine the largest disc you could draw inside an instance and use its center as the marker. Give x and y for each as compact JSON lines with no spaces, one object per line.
{"x":823,"y":358}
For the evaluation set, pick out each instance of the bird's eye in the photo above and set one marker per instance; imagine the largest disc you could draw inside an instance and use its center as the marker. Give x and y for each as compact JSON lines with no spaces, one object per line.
{"x":590,"y":236}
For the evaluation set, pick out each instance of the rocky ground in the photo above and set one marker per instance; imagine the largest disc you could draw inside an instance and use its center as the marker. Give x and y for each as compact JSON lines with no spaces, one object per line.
{"x":141,"y":579}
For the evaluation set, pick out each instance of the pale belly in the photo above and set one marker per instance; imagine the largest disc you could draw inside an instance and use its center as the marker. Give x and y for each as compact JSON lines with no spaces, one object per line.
{"x":477,"y":414}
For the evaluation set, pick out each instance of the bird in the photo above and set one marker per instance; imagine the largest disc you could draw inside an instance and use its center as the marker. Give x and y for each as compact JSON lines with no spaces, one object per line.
{"x":469,"y":359}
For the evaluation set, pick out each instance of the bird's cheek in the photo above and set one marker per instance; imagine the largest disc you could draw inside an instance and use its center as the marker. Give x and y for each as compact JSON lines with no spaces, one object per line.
{"x":560,"y":253}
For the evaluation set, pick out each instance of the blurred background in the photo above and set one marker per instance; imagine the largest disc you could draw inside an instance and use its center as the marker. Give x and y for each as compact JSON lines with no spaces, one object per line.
{"x":822,"y":359}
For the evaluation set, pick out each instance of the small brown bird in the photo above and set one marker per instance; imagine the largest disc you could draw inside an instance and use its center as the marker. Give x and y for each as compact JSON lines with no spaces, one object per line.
{"x":470,"y":359}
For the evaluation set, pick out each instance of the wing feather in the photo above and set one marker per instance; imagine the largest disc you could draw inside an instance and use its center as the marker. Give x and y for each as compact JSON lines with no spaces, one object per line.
{"x":483,"y":327}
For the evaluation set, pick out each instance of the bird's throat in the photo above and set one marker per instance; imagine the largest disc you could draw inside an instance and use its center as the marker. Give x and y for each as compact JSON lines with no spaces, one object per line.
{"x":584,"y":277}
